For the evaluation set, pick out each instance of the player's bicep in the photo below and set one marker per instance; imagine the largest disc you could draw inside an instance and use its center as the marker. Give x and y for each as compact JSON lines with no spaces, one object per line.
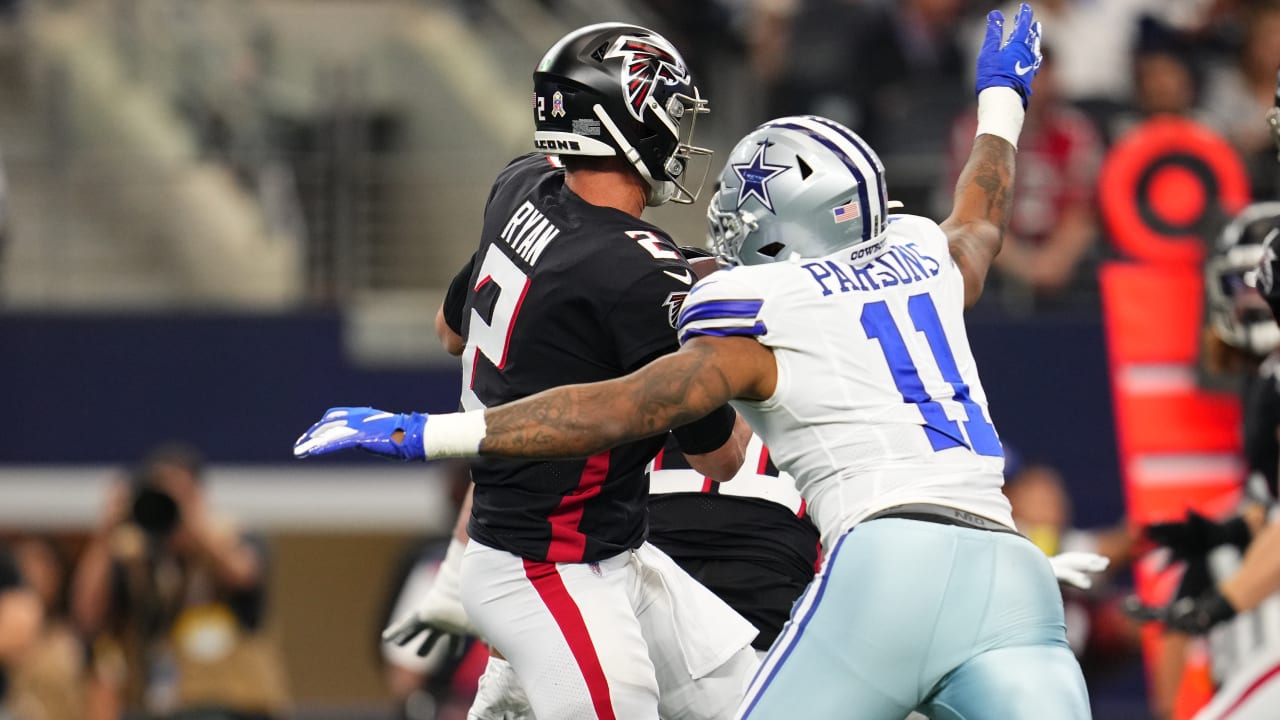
{"x":746,"y":368}
{"x":685,"y":386}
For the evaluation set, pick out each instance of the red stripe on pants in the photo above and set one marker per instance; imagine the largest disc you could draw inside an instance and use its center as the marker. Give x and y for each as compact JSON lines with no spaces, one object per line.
{"x":550,"y":587}
{"x":1253,"y":687}
{"x":567,"y":543}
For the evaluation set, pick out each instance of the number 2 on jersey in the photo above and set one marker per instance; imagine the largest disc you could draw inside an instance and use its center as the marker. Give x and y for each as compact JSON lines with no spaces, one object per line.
{"x":979,"y":434}
{"x":493,"y":338}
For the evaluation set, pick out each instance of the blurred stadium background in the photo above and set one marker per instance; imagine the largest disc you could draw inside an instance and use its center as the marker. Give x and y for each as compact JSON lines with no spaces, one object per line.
{"x":220,"y":217}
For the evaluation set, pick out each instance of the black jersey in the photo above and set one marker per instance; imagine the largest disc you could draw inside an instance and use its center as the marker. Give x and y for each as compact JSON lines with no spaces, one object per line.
{"x":748,"y":540}
{"x":560,"y":292}
{"x":1262,"y":423}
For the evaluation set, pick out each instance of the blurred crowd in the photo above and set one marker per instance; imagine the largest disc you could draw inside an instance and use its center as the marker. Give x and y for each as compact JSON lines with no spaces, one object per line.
{"x":900,"y":73}
{"x":158,"y":612}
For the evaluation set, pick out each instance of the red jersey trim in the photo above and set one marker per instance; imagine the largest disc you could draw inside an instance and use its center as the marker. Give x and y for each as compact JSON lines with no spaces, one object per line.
{"x":568,"y":544}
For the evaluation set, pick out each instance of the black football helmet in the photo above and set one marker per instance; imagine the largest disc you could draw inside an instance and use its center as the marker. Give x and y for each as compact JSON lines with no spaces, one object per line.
{"x":616,"y":89}
{"x":1273,"y":117}
{"x":1237,"y":312}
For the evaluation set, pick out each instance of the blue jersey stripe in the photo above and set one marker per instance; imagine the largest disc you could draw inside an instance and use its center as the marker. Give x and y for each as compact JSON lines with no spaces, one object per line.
{"x":754,"y":331}
{"x":720,"y":309}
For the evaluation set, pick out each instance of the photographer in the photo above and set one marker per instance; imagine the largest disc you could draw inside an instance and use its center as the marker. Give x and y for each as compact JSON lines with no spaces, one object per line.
{"x":174,"y":599}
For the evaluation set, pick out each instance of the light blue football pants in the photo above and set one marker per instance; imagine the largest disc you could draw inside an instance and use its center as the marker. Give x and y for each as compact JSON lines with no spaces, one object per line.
{"x":962,"y":624}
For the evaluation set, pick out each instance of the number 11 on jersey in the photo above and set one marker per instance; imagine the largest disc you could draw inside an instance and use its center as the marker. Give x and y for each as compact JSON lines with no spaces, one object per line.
{"x":979,"y":434}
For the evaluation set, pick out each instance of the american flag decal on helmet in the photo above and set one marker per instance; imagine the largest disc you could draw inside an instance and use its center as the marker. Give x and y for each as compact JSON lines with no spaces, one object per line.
{"x":848,"y":211}
{"x":645,"y":63}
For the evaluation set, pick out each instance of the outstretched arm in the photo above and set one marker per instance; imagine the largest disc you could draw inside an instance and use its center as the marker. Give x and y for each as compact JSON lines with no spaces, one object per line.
{"x":984,"y":192}
{"x":568,"y":421}
{"x":579,"y":420}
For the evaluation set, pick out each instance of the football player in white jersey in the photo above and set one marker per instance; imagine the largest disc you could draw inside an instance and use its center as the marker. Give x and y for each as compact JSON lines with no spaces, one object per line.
{"x":841,"y":338}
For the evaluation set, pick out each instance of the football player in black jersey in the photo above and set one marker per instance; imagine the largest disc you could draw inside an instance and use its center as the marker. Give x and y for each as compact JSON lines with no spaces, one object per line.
{"x":751,"y":543}
{"x":1242,"y":337}
{"x":569,"y":285}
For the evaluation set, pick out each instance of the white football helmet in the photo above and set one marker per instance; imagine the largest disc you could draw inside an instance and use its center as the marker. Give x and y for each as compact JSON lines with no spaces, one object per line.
{"x":799,"y":186}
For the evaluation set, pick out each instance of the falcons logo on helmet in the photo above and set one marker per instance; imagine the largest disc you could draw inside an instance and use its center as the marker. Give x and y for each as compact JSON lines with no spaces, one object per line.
{"x":645,"y":63}
{"x":1265,"y":278}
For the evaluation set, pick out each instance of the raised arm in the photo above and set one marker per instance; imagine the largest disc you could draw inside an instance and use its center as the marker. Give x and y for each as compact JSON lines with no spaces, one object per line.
{"x":984,"y":197}
{"x":568,"y":421}
{"x":984,"y":192}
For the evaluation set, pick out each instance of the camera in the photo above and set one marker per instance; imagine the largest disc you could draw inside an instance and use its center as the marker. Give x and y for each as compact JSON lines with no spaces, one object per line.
{"x":152,"y":507}
{"x":154,"y":510}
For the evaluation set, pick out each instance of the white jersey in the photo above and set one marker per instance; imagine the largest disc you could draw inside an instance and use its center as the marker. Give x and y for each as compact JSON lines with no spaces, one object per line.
{"x":878,"y":401}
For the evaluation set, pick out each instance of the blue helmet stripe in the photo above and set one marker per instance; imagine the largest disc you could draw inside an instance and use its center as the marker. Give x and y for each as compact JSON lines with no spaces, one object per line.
{"x":864,"y":206}
{"x":865,"y":150}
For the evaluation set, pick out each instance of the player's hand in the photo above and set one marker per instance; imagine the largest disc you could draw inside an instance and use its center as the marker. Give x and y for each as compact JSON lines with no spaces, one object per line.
{"x":1197,"y":535}
{"x":1010,"y":63}
{"x":1078,"y":568}
{"x":441,"y":613}
{"x":1198,"y":615}
{"x":375,"y":431}
{"x":411,"y":626}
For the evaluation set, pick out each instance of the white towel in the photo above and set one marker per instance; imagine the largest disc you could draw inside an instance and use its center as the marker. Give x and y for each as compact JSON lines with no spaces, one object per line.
{"x":707,"y":631}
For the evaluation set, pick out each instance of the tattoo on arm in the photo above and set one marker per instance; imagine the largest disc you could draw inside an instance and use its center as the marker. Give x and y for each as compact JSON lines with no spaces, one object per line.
{"x":581,"y":420}
{"x":983,"y":206}
{"x":985,"y":188}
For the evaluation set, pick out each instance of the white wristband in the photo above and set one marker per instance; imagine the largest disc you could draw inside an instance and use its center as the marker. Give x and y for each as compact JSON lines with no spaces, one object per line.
{"x":453,"y":434}
{"x":1000,"y":113}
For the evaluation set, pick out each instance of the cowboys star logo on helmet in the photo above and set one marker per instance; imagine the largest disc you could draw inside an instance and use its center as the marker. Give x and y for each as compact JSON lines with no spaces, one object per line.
{"x":645,"y":62}
{"x":755,"y":176}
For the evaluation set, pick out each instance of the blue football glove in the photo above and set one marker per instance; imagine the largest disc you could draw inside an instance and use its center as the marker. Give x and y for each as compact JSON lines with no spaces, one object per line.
{"x":1010,"y":63}
{"x":369,"y":429}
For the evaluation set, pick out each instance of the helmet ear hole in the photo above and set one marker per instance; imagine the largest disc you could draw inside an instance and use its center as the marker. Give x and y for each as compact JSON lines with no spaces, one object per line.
{"x":804,"y":168}
{"x":772,"y":249}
